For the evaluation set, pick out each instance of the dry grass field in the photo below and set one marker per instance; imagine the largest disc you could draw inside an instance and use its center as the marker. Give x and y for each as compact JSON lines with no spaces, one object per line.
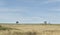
{"x":37,"y":29}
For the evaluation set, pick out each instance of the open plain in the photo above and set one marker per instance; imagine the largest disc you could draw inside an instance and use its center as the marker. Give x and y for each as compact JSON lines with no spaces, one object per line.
{"x":32,"y":29}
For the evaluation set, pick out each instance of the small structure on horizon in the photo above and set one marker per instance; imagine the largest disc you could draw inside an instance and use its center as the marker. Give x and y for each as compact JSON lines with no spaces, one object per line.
{"x":17,"y":22}
{"x":45,"y":22}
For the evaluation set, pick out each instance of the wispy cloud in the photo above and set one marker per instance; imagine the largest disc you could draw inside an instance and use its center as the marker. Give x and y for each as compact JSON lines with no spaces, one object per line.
{"x":52,"y":1}
{"x":54,"y":10}
{"x":12,"y":10}
{"x":37,"y":2}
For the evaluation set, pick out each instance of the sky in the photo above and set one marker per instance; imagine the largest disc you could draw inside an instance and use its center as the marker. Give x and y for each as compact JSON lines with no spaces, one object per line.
{"x":29,"y":11}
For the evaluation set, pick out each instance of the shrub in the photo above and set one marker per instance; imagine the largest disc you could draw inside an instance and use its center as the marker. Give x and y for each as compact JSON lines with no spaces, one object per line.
{"x":0,"y":26}
{"x":4,"y":28}
{"x":31,"y":33}
{"x":24,"y":33}
{"x":18,"y":33}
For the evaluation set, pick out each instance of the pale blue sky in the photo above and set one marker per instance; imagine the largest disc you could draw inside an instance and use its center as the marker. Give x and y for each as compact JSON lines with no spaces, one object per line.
{"x":30,"y":11}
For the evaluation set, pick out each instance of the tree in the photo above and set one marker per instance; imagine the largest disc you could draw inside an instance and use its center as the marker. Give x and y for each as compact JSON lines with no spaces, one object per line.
{"x":45,"y":22}
{"x":17,"y":22}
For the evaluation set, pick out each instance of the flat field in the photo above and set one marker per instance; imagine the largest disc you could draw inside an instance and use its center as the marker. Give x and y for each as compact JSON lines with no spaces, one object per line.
{"x":32,"y":29}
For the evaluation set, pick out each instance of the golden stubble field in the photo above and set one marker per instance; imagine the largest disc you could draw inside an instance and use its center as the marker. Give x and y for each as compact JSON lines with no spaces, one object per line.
{"x":40,"y":29}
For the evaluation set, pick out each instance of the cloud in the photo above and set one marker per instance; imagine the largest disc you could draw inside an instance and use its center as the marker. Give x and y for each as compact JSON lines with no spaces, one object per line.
{"x":36,"y":2}
{"x":31,"y":18}
{"x":39,"y":1}
{"x":53,"y":1}
{"x":50,"y":1}
{"x":54,"y":9}
{"x":38,"y":19}
{"x":20,"y":19}
{"x":12,"y":10}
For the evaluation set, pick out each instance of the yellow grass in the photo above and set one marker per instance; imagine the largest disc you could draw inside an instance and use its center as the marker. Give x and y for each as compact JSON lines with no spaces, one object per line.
{"x":39,"y":29}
